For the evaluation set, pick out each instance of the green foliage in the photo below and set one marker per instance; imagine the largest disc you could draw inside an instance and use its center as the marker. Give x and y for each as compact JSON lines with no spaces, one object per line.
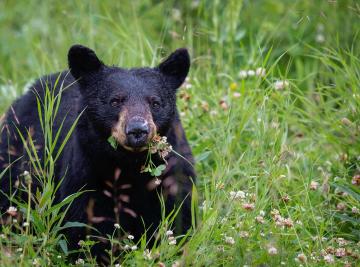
{"x":285,"y":140}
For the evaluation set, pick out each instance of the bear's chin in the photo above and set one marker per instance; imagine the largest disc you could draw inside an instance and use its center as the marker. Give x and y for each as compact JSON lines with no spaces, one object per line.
{"x":135,"y":149}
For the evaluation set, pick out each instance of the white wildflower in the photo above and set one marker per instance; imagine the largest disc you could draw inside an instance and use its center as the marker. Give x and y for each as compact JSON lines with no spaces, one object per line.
{"x":301,"y":257}
{"x":236,"y":94}
{"x":314,"y":185}
{"x":320,"y":38}
{"x":272,"y":250}
{"x":79,"y":261}
{"x":261,"y":72}
{"x":244,"y":234}
{"x":229,"y":240}
{"x":250,"y":73}
{"x":237,"y":195}
{"x":147,"y":254}
{"x":169,"y":232}
{"x":355,"y":210}
{"x":243,"y":74}
{"x":281,"y":85}
{"x":328,"y":258}
{"x":12,"y":211}
{"x":36,"y":262}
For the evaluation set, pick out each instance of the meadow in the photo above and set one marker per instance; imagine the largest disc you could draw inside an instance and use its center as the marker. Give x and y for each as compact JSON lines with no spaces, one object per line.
{"x":271,"y":109}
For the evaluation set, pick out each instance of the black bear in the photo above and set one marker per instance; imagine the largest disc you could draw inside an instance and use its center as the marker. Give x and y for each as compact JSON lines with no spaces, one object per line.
{"x":130,"y":106}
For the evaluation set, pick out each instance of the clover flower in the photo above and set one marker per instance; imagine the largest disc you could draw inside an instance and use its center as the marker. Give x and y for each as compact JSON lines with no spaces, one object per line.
{"x":229,"y":240}
{"x":236,"y":94}
{"x":355,"y":210}
{"x":281,"y":85}
{"x":260,"y":219}
{"x":272,"y":250}
{"x":356,"y":179}
{"x":248,"y":206}
{"x":244,"y":234}
{"x":160,"y":145}
{"x":237,"y":195}
{"x":261,"y":72}
{"x":36,"y":262}
{"x":286,"y":198}
{"x":250,"y":73}
{"x":147,"y":254}
{"x":223,"y":104}
{"x":205,"y":106}
{"x":288,"y":222}
{"x":79,"y":261}
{"x":172,"y":242}
{"x":341,"y":206}
{"x":243,"y":74}
{"x":340,"y":252}
{"x":301,"y":258}
{"x":328,"y":258}
{"x":169,"y":233}
{"x":314,"y":185}
{"x":12,"y":211}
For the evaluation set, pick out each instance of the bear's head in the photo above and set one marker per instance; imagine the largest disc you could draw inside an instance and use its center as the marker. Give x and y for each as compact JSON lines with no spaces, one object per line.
{"x":131,"y":105}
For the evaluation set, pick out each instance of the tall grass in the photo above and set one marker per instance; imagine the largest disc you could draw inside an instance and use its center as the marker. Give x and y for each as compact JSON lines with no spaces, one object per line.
{"x":276,"y":165}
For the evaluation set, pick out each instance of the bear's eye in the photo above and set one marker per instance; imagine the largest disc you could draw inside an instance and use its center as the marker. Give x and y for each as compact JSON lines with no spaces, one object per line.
{"x":155,"y":104}
{"x":116,"y":102}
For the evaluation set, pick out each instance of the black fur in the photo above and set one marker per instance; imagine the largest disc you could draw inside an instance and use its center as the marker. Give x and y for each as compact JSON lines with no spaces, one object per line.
{"x":88,"y":161}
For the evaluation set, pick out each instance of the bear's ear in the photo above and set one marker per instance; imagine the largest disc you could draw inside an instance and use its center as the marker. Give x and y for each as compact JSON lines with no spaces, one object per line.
{"x":82,"y":61}
{"x":175,"y":68}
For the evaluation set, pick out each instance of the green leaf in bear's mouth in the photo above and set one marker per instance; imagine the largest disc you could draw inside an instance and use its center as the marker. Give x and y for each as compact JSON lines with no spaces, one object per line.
{"x":112,"y":141}
{"x":158,"y":170}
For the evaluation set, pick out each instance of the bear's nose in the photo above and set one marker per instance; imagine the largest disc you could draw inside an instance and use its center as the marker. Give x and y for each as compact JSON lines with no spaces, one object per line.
{"x":137,"y":131}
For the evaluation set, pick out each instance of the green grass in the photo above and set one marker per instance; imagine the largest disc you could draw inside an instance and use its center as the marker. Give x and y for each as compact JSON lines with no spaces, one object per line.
{"x":271,"y":144}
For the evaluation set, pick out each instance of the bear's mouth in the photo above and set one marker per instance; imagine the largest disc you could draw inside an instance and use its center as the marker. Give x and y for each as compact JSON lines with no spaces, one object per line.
{"x":118,"y":138}
{"x":133,"y":133}
{"x":136,"y":149}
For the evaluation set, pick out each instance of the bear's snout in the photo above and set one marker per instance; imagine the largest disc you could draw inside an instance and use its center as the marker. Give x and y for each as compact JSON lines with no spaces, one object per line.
{"x":137,"y":132}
